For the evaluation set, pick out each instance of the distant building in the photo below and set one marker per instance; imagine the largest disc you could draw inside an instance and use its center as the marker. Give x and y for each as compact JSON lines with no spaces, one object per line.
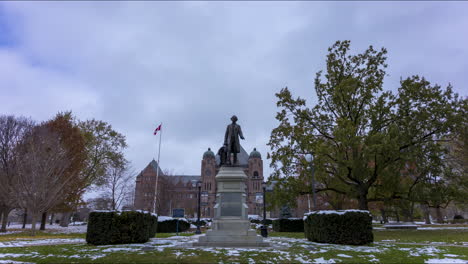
{"x":180,"y":191}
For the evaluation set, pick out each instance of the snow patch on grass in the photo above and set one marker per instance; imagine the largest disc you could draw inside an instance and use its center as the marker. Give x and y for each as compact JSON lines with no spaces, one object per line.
{"x":322,"y":260}
{"x":344,"y":256}
{"x":445,"y":260}
{"x":42,"y":242}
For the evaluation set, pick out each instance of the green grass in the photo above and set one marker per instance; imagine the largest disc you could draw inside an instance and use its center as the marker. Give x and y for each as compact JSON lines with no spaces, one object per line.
{"x":297,"y":250}
{"x":450,"y":236}
{"x":166,"y":235}
{"x":39,"y":235}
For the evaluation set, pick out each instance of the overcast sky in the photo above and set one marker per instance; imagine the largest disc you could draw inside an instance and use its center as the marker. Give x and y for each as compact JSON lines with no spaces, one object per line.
{"x":192,"y":65}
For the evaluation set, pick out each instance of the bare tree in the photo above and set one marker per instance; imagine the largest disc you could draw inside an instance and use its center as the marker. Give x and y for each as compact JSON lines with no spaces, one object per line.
{"x":12,"y":131}
{"x":118,"y":184}
{"x":48,"y":171}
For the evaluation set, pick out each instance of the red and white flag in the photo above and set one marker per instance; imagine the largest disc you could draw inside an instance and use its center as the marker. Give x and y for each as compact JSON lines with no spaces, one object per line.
{"x":157,"y":129}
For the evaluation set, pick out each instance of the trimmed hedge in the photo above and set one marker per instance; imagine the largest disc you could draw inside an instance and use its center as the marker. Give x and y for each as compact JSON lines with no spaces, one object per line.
{"x":458,"y":221}
{"x":350,"y":227}
{"x":170,"y":226}
{"x":105,"y":228}
{"x":260,"y":221}
{"x":203,"y":222}
{"x":288,"y":225}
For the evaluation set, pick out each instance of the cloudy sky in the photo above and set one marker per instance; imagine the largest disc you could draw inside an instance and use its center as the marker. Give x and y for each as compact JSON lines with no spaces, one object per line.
{"x":191,"y":65}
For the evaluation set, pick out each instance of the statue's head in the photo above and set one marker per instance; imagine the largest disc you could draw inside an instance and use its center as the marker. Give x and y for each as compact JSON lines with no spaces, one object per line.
{"x":234,"y":118}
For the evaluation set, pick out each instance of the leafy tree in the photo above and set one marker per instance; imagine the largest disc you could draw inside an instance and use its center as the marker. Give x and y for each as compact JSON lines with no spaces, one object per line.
{"x":104,"y":148}
{"x":361,"y":136}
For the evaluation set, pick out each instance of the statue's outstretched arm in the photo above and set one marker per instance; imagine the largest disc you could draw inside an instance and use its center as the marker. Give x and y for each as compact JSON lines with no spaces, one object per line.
{"x":240,"y":133}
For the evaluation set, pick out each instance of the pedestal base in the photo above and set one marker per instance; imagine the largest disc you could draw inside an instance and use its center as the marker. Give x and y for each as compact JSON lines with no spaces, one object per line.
{"x":230,"y":227}
{"x":231,"y":233}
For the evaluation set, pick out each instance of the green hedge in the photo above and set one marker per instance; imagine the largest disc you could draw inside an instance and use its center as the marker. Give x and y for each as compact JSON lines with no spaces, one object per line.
{"x":105,"y":228}
{"x":170,"y":226}
{"x":458,"y":221}
{"x":350,"y":227}
{"x":260,"y":221}
{"x":288,"y":225}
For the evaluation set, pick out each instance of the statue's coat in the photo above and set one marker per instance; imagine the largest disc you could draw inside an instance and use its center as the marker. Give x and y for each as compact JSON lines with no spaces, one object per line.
{"x":233,"y":130}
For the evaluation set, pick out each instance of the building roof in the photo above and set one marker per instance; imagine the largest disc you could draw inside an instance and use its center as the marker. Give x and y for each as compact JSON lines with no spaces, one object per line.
{"x":182,"y":178}
{"x":255,"y":154}
{"x":208,"y":153}
{"x":154,"y":165}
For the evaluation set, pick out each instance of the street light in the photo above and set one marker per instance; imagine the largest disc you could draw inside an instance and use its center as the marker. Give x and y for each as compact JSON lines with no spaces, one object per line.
{"x":198,"y":184}
{"x":310,"y":158}
{"x":264,"y":229}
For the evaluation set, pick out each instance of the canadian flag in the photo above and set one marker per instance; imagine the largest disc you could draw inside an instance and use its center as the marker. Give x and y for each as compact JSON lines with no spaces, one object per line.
{"x":157,"y":129}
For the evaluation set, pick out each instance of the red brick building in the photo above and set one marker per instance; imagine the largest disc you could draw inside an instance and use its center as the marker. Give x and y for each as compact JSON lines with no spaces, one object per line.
{"x":179,"y":191}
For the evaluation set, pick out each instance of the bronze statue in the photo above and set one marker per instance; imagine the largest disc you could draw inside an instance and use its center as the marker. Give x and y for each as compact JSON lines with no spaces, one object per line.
{"x":222,"y":155}
{"x":231,"y":140}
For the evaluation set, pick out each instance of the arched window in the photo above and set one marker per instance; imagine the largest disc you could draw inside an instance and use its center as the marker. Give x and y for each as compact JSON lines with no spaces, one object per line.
{"x":255,"y":175}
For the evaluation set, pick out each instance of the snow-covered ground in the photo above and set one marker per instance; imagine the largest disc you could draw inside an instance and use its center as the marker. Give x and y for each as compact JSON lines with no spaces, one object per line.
{"x":280,"y":250}
{"x":41,"y":242}
{"x":50,"y":228}
{"x":283,"y":249}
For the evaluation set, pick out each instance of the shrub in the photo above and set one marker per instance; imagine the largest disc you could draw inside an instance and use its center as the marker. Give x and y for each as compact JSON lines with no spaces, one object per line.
{"x":456,"y":217}
{"x":169,"y":225}
{"x":459,"y":221}
{"x":260,"y":221}
{"x":288,"y":225}
{"x":193,"y":221}
{"x":113,"y":227}
{"x":350,"y":227}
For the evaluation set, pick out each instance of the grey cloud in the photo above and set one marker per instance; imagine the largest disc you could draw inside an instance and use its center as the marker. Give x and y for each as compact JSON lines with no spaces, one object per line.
{"x":192,"y":65}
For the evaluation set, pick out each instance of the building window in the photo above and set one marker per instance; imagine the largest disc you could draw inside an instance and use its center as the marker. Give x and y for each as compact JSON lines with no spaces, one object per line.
{"x":255,"y":174}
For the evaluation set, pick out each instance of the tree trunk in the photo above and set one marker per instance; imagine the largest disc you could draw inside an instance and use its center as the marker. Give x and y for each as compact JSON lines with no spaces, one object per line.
{"x":65,"y":219}
{"x":25,"y":218}
{"x":384,"y":215}
{"x":440,"y":219}
{"x":33,"y":223}
{"x":52,"y":219}
{"x":43,"y":221}
{"x":362,"y":199}
{"x":427,"y":216}
{"x":411,"y":216}
{"x":5,"y":212}
{"x":397,"y":216}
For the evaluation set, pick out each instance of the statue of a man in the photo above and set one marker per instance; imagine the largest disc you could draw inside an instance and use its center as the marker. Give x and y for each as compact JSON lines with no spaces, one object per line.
{"x":231,"y":140}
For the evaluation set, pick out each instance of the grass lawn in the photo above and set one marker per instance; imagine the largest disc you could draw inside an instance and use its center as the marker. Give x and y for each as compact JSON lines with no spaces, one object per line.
{"x":39,"y":235}
{"x":456,"y":237}
{"x":288,"y":247}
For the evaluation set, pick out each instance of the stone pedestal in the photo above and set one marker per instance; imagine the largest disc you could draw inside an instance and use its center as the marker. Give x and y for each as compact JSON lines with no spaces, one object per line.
{"x":231,"y":227}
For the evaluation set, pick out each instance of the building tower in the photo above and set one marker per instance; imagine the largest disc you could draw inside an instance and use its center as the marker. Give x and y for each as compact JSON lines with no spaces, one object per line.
{"x":254,"y":183}
{"x":208,"y":174}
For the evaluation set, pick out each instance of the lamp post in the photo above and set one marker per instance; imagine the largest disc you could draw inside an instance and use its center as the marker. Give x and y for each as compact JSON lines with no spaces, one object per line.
{"x":310,"y":158}
{"x":264,"y":229}
{"x":198,"y":184}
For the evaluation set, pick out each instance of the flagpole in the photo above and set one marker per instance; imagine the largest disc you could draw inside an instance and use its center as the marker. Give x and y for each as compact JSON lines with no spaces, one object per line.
{"x":157,"y":172}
